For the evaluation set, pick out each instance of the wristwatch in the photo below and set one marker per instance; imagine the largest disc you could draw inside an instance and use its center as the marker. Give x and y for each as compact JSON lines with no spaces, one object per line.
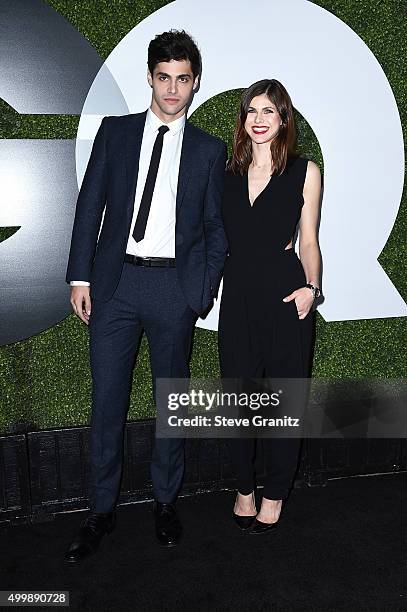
{"x":315,"y":290}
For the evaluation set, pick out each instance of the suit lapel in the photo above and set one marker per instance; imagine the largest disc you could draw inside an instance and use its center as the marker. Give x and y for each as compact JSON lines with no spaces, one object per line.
{"x":186,"y":163}
{"x":134,"y":136}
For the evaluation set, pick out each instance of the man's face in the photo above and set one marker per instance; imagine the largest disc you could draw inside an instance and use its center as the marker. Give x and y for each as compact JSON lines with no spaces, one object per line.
{"x":172,"y":83}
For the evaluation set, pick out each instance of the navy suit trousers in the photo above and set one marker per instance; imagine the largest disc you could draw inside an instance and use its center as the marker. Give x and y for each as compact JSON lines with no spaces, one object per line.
{"x":150,"y":300}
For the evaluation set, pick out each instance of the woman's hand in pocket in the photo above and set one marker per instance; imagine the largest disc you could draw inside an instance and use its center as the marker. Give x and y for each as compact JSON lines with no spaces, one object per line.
{"x":303,"y":298}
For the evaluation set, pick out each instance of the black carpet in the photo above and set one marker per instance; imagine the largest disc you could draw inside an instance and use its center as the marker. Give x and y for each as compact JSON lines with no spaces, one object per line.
{"x":339,"y":547}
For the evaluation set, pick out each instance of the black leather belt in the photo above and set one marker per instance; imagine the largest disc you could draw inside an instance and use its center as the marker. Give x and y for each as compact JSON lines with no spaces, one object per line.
{"x":151,"y":262}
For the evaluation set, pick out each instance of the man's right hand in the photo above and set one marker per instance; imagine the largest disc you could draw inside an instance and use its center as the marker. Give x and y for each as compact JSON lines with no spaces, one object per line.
{"x":81,"y":304}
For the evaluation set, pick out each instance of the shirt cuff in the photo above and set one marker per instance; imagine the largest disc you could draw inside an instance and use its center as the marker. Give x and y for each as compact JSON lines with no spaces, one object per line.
{"x":79,"y":284}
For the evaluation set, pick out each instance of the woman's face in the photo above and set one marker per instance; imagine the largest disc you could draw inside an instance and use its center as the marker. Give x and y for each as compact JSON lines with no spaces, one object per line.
{"x":262,"y":121}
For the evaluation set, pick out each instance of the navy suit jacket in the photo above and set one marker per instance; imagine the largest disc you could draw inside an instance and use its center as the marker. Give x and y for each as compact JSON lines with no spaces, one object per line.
{"x":110,"y":181}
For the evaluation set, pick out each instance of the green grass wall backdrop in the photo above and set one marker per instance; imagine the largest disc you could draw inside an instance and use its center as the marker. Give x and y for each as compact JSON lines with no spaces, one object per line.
{"x":45,"y":380}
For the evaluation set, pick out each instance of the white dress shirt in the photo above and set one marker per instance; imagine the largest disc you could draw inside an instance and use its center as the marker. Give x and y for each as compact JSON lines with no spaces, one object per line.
{"x":159,"y":237}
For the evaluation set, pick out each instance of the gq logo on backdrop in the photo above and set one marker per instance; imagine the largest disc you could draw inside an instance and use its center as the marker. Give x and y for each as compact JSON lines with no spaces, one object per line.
{"x":334,"y":80}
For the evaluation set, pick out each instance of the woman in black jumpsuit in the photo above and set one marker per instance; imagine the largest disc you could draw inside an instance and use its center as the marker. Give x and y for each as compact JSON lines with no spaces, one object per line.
{"x":266,"y":322}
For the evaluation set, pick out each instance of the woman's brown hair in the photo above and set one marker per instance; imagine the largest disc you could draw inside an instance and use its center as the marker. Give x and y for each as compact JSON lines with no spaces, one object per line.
{"x":283,"y":145}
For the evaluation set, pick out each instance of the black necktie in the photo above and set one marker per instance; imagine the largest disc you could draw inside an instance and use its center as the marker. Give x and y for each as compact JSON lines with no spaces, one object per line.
{"x":145,"y":204}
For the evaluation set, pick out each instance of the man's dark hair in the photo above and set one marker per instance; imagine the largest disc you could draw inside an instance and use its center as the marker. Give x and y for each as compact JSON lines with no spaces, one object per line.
{"x":174,"y":45}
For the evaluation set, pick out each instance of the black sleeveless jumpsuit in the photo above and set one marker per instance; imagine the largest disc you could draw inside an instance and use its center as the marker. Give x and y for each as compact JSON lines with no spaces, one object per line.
{"x":259,"y":334}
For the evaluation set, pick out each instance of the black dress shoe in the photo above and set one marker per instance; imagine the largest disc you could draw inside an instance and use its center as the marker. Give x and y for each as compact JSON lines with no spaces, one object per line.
{"x":168,"y":528}
{"x":260,"y":527}
{"x":91,"y":531}
{"x":244,"y":522}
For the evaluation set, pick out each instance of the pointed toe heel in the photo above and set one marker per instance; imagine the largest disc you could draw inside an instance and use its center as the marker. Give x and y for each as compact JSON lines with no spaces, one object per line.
{"x":258,"y":527}
{"x":243,"y":522}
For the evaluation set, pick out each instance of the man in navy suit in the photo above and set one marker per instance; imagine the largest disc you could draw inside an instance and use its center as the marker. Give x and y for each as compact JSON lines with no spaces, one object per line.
{"x":155,"y":266}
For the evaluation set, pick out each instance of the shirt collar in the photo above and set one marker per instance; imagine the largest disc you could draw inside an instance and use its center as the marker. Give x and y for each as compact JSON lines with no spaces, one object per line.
{"x":153,"y":122}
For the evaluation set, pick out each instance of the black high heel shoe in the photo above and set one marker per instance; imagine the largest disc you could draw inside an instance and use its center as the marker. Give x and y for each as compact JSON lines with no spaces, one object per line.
{"x":258,"y":527}
{"x":244,"y":522}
